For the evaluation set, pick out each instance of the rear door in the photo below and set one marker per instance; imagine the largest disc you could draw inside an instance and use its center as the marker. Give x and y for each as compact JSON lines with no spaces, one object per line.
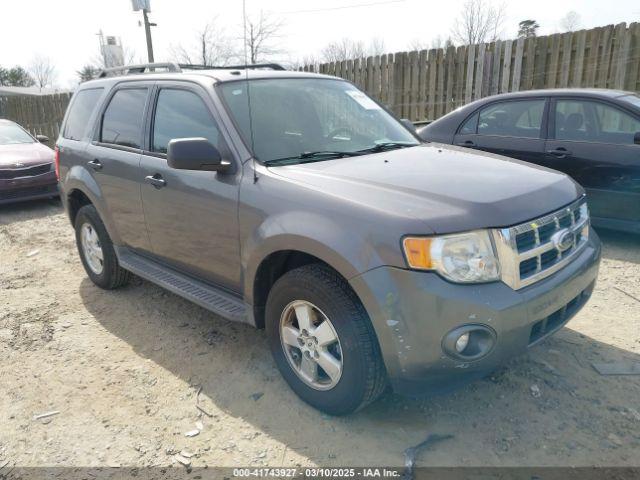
{"x":592,"y":141}
{"x":192,"y":216}
{"x":515,"y":128}
{"x":114,"y":158}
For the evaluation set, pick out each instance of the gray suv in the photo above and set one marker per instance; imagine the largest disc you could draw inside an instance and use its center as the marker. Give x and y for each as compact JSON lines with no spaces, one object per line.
{"x":295,"y":203}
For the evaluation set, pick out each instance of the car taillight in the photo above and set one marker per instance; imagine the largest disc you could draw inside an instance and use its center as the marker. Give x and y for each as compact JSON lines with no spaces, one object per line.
{"x":57,"y":163}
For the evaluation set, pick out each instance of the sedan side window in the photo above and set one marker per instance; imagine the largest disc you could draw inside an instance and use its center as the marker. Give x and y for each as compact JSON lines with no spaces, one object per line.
{"x":181,"y":114}
{"x":590,"y":121}
{"x":470,"y":125}
{"x":615,"y":125}
{"x":521,"y":118}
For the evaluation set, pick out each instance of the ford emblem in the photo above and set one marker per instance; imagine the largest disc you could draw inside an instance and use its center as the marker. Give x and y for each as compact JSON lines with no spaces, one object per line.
{"x":563,"y":239}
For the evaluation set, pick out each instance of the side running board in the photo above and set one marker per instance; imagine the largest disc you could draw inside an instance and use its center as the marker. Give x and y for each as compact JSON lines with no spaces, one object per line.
{"x":213,"y":299}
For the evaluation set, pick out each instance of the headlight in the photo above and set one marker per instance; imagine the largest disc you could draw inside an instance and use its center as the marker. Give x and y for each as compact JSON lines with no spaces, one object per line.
{"x":462,"y":257}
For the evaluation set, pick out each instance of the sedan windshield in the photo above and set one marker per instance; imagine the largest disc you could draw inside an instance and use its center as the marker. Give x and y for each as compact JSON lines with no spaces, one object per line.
{"x":635,"y":99}
{"x":302,"y":119}
{"x":11,"y":134}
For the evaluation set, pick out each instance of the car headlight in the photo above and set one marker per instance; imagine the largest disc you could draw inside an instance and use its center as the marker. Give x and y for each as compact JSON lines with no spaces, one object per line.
{"x":461,"y":257}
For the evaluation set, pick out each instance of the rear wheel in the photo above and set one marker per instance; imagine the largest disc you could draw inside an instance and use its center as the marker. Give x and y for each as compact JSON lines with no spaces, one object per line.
{"x":323,"y":342}
{"x":96,"y":250}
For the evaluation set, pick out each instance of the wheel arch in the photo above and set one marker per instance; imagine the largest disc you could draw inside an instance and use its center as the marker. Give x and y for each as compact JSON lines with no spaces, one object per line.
{"x":78,"y":189}
{"x":278,"y":262}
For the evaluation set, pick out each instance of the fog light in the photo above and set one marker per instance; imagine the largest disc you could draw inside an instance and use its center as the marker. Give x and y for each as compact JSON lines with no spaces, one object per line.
{"x":462,"y":342}
{"x":469,"y":342}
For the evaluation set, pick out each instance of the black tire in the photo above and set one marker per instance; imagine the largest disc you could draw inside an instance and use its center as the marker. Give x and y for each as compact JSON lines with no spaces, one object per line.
{"x":363,"y":376}
{"x":112,"y":275}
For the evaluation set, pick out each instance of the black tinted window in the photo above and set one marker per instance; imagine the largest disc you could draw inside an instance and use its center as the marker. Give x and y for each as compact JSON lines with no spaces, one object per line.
{"x":122,"y":122}
{"x":181,"y":114}
{"x":584,"y":120}
{"x":470,"y":125}
{"x":512,"y":119}
{"x":83,"y":104}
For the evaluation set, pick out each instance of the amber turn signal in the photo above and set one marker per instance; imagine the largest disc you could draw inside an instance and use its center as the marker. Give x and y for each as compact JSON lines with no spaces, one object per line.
{"x":418,"y":252}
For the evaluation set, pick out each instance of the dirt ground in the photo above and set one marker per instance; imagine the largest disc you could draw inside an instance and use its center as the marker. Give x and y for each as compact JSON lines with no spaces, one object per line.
{"x":123,"y":368}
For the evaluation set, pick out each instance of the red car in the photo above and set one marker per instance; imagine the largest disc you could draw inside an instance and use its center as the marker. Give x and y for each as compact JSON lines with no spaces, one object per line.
{"x":27,"y":169}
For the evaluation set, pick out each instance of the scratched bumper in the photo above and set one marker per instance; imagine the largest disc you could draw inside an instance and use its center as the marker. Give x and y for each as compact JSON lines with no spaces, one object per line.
{"x":412,"y":312}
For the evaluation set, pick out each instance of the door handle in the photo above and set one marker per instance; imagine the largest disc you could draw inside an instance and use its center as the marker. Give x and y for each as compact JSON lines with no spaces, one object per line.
{"x":559,"y":152}
{"x":466,"y":143}
{"x":95,"y":164}
{"x":155,"y":180}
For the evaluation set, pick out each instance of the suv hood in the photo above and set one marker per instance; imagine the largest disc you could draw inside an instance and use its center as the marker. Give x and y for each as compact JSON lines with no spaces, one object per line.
{"x":450,"y":188}
{"x":27,"y":154}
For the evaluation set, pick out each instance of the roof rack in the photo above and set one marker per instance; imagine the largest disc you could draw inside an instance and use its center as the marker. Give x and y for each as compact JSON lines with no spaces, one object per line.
{"x":177,"y":68}
{"x":272,"y":66}
{"x":141,"y":68}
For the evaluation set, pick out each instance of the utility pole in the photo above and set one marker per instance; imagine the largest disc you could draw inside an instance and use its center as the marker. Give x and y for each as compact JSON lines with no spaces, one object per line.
{"x":147,"y":31}
{"x":145,"y":6}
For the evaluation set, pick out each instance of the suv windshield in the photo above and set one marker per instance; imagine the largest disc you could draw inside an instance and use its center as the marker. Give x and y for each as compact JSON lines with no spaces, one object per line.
{"x":11,"y":134}
{"x":312,"y":119}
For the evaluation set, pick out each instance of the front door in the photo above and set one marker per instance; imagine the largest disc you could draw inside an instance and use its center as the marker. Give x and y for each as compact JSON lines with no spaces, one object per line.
{"x":592,"y":141}
{"x":512,"y":128}
{"x":192,"y":216}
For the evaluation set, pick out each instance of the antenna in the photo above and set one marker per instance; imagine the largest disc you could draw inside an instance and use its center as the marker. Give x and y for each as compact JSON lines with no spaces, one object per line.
{"x":246,"y":77}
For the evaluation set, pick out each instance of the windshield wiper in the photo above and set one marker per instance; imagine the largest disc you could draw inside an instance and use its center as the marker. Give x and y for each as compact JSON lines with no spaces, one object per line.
{"x":313,"y":156}
{"x":381,"y":147}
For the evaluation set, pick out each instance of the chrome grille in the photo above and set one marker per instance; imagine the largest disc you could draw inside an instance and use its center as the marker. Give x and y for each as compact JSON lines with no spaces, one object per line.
{"x":534,"y":250}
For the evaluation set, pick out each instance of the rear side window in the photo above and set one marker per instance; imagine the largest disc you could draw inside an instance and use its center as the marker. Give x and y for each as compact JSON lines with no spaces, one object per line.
{"x":122,"y":120}
{"x":521,"y":118}
{"x":82,"y":107}
{"x":181,"y":114}
{"x":586,"y":120}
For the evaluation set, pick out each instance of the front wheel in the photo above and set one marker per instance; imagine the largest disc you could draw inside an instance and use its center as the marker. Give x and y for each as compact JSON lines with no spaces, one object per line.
{"x":322,"y":340}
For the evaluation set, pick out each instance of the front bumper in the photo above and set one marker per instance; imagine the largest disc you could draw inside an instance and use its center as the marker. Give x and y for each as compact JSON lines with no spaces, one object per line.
{"x":28,"y":188}
{"x":412,"y":311}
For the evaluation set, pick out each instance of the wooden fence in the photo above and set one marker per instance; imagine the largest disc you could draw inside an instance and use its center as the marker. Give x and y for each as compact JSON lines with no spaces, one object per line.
{"x":424,"y":85}
{"x":40,"y":114}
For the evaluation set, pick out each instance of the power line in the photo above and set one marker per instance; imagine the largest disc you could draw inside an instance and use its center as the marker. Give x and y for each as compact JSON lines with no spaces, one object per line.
{"x":344,"y":7}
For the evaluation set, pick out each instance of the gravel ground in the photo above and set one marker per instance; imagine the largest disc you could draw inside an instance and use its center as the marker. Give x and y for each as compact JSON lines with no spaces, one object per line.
{"x":123,"y":369}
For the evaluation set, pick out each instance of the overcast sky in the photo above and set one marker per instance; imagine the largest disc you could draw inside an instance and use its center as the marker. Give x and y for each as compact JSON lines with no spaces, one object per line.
{"x":65,"y":30}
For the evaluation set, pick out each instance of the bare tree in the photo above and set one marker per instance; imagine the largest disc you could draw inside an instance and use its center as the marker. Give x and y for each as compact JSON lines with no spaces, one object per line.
{"x":305,"y":61}
{"x":417,"y":44}
{"x":570,"y":22}
{"x":261,"y":35}
{"x":376,"y":47}
{"x":211,"y":47}
{"x":344,"y":49}
{"x":42,"y":71}
{"x":437,"y":42}
{"x":480,"y":21}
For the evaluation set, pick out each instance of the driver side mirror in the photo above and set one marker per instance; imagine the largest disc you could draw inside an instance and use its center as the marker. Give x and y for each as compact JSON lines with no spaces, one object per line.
{"x":409,"y":124}
{"x":636,"y":138}
{"x":42,"y":138}
{"x":195,"y":154}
